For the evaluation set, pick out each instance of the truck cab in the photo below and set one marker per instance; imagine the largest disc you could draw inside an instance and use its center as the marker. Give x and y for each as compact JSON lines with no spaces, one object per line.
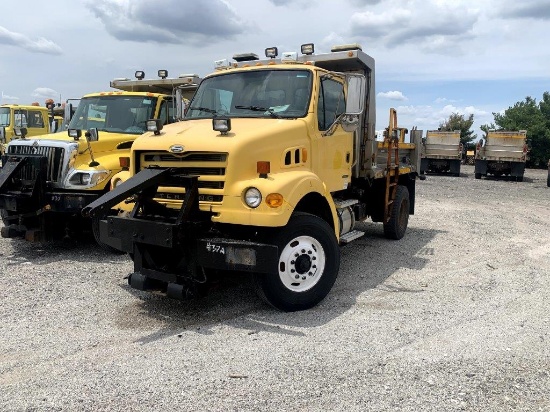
{"x":13,"y":117}
{"x":46,"y":180}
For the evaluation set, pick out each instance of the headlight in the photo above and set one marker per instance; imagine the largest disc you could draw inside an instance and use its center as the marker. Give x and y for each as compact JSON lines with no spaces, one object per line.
{"x":252,"y":197}
{"x":83,"y":179}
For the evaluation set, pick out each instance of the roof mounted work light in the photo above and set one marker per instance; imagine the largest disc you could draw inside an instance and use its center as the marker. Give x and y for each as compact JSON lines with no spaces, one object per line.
{"x":163,"y":74}
{"x":308,"y":48}
{"x":140,"y":74}
{"x":245,"y":57}
{"x":271,"y":52}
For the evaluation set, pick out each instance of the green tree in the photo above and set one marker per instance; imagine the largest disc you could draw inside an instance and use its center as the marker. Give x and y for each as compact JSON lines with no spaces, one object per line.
{"x":535,"y":118}
{"x":458,"y":122}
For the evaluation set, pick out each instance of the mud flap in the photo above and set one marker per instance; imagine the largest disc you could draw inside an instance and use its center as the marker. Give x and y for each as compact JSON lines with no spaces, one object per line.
{"x":517,"y":169}
{"x":424,"y":164}
{"x":455,"y":167}
{"x":481,"y":167}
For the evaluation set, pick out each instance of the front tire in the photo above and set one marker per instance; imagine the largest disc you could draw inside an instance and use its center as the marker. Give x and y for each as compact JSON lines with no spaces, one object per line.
{"x":309,"y":260}
{"x":478,"y":175}
{"x":399,"y":215}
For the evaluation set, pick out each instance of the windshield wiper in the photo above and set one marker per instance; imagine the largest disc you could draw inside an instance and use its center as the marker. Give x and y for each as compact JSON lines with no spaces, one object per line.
{"x":204,"y":109}
{"x":261,"y":109}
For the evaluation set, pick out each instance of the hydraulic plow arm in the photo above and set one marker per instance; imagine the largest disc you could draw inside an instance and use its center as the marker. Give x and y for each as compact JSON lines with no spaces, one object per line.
{"x":145,"y":179}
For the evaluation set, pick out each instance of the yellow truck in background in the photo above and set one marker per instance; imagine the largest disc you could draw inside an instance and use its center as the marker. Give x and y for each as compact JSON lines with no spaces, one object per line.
{"x":272,"y":168}
{"x":503,"y":153}
{"x":47,"y":180}
{"x":37,"y":120}
{"x":441,"y":152}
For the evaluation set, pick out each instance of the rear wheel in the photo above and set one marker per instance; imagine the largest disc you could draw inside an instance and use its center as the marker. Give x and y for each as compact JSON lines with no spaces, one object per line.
{"x":309,"y":260}
{"x":399,"y":215}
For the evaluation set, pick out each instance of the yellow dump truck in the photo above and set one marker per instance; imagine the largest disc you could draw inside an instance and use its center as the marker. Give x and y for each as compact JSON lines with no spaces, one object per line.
{"x":272,"y":168}
{"x":441,"y":152}
{"x":47,"y":180}
{"x":37,"y":120}
{"x":503,"y":153}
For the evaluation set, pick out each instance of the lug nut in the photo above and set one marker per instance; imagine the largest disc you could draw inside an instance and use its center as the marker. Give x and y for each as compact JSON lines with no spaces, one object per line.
{"x":297,"y":277}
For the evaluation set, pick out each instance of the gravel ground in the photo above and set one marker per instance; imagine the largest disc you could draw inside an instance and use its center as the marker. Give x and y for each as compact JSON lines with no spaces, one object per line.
{"x":455,"y":316}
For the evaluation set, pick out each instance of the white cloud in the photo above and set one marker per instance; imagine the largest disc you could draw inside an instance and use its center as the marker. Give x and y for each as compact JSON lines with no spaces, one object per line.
{"x":399,"y":24}
{"x":168,"y":21}
{"x":39,"y":45}
{"x":45,"y":93}
{"x":8,"y":97}
{"x":441,"y":100}
{"x":392,"y":95}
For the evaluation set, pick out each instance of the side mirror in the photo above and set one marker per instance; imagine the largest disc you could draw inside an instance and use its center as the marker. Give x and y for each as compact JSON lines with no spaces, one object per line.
{"x":92,"y":135}
{"x":180,"y":107}
{"x":20,"y":132}
{"x":355,"y":100}
{"x":2,"y":134}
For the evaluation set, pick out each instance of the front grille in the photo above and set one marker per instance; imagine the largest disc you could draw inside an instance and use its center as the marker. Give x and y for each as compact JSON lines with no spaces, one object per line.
{"x":54,"y":156}
{"x":209,"y":166}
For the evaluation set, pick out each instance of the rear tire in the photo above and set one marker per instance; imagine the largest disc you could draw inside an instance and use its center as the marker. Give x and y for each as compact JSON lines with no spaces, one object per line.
{"x":478,"y":175}
{"x":399,"y":215}
{"x":309,"y":260}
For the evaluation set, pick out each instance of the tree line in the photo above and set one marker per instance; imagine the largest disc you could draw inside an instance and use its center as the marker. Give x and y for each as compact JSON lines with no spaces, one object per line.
{"x":527,"y":115}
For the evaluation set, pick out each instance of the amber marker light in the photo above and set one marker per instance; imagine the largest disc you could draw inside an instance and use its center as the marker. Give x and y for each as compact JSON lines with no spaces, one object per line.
{"x":124,"y":162}
{"x":274,"y":200}
{"x":304,"y":155}
{"x":263,"y":168}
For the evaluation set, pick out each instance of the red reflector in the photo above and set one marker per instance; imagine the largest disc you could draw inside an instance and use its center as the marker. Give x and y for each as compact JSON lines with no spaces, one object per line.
{"x":124,"y":162}
{"x":263,"y":168}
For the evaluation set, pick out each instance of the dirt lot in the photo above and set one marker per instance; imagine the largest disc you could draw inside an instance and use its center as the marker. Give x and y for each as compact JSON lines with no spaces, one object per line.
{"x":455,"y":316}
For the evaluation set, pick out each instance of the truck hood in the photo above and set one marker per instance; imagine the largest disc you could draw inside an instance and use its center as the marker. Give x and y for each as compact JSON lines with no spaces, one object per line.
{"x":256,"y":135}
{"x":107,"y":141}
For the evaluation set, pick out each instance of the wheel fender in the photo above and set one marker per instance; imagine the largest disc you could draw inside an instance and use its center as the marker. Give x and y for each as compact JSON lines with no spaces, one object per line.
{"x":294,"y":186}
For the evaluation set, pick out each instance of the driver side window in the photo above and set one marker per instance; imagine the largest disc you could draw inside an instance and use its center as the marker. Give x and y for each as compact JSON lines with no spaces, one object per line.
{"x":332,"y":103}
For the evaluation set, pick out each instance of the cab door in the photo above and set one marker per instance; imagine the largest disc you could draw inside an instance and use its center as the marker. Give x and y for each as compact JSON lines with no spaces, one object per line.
{"x":333,"y":154}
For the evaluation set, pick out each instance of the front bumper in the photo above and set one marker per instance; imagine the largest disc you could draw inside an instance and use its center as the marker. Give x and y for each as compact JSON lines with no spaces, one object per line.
{"x":134,"y":236}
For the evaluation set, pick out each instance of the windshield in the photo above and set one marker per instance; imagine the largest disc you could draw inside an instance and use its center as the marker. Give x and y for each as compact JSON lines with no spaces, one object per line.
{"x":4,"y":116}
{"x":258,"y":93}
{"x":115,"y":113}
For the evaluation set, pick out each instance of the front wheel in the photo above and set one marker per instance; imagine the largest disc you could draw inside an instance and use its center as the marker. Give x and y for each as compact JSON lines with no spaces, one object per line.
{"x":478,"y":175}
{"x":396,"y":226}
{"x":309,"y":260}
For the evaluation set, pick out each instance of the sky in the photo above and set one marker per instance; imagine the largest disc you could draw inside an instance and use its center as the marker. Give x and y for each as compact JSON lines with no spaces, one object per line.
{"x":433,"y":57}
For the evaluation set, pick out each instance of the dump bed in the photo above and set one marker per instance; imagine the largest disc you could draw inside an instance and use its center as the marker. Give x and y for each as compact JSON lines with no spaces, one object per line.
{"x":505,"y":146}
{"x":442,"y":145}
